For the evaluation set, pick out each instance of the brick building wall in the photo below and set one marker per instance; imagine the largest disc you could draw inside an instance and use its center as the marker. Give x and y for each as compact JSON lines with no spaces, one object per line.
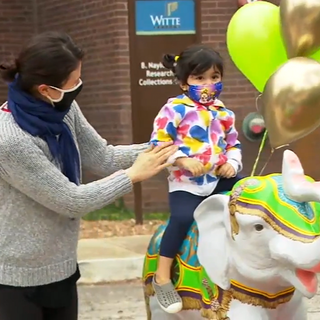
{"x":101,"y":27}
{"x":16,"y":24}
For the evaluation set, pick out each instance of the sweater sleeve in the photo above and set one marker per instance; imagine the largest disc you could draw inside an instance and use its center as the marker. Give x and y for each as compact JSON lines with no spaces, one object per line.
{"x":25,"y":167}
{"x":96,"y":155}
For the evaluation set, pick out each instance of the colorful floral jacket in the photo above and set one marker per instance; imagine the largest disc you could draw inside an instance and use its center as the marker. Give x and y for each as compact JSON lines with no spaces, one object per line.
{"x":206,"y":133}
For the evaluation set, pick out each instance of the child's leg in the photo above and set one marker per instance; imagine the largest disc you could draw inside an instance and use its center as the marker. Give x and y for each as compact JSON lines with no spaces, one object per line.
{"x":182,"y":206}
{"x":225,"y":184}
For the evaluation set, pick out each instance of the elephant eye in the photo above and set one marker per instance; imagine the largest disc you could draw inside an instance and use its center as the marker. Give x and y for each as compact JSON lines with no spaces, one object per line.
{"x":258,"y":227}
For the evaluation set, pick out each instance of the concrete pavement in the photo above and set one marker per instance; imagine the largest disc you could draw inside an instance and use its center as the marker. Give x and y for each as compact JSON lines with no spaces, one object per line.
{"x":111,"y":259}
{"x":112,"y":301}
{"x":117,"y":259}
{"x":125,"y":301}
{"x":314,"y":307}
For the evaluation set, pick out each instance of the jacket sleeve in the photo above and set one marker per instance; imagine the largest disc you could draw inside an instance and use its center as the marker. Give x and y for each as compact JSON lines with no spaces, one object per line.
{"x":233,"y":148}
{"x":165,"y":128}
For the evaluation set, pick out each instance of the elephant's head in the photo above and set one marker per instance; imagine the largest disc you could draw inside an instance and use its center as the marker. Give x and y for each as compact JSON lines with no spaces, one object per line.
{"x":268,"y":228}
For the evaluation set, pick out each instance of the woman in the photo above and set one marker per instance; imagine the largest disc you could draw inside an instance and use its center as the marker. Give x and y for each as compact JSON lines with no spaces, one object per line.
{"x":45,"y":141}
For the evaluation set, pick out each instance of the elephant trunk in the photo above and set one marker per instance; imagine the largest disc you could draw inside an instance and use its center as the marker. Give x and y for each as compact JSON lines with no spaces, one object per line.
{"x":301,"y":255}
{"x":299,"y":261}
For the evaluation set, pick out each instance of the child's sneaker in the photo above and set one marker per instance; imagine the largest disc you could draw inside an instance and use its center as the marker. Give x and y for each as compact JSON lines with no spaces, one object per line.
{"x":168,"y":298}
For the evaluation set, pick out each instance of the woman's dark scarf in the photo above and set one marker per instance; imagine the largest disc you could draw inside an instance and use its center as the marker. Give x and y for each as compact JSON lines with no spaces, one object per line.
{"x":41,"y":119}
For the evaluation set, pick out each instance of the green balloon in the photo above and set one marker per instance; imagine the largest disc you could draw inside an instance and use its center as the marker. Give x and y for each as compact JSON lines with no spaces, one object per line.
{"x":255,"y":43}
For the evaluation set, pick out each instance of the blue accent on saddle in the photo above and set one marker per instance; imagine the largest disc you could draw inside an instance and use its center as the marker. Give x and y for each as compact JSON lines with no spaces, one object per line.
{"x":304,"y":208}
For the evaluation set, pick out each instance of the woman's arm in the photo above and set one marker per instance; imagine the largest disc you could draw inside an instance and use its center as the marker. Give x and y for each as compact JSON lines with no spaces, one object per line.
{"x":26,"y":168}
{"x":96,"y":155}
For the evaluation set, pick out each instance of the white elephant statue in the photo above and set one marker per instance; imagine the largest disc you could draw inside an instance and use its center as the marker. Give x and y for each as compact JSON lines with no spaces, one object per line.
{"x":252,"y":254}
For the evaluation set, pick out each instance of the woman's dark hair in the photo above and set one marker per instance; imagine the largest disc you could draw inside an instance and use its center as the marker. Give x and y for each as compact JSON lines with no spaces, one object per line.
{"x":194,"y":60}
{"x":48,"y":58}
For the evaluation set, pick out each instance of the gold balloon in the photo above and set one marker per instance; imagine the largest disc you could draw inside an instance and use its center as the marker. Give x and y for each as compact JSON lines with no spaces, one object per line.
{"x":290,"y":103}
{"x":300,"y":20}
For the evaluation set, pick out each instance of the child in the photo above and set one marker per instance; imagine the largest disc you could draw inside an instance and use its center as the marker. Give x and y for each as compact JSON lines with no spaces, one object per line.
{"x":209,"y":155}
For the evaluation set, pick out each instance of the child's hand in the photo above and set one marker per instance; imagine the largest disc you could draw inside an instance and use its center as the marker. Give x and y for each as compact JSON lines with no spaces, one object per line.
{"x":193,"y":165}
{"x":226,"y":171}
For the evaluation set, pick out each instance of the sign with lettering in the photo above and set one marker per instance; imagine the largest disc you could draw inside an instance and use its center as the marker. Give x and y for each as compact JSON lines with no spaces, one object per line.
{"x":155,"y":75}
{"x":159,"y":17}
{"x":156,"y":28}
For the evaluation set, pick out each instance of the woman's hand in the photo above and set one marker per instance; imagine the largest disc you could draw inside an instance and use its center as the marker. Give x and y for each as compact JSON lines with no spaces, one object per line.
{"x":193,"y":165}
{"x":151,"y":162}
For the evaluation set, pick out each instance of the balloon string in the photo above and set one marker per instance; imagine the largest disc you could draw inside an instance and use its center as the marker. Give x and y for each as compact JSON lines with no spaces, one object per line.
{"x":265,"y":165}
{"x":282,"y":146}
{"x":257,"y":101}
{"x":262,"y":144}
{"x":270,"y":156}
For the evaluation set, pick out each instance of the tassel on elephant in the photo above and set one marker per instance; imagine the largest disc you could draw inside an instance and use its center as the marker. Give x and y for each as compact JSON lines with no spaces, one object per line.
{"x":250,"y":255}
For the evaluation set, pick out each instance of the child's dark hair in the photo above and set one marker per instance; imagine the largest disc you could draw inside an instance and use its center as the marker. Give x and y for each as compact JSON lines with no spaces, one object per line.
{"x":194,"y":60}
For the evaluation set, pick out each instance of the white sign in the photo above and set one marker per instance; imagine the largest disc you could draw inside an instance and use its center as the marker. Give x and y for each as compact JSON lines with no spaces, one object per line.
{"x":156,"y":75}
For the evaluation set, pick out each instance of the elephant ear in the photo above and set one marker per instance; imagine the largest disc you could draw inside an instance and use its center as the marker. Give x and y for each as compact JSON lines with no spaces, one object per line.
{"x":213,"y":221}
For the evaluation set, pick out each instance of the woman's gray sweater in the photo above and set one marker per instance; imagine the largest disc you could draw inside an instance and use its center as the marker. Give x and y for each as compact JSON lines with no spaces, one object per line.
{"x":40,"y":209}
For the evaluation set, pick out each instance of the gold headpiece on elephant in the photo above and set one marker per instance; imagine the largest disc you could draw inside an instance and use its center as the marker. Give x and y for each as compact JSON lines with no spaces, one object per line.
{"x":269,"y":195}
{"x":235,"y":194}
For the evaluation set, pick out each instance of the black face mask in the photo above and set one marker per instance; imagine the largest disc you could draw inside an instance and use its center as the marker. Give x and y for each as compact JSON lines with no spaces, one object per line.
{"x":68,"y":97}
